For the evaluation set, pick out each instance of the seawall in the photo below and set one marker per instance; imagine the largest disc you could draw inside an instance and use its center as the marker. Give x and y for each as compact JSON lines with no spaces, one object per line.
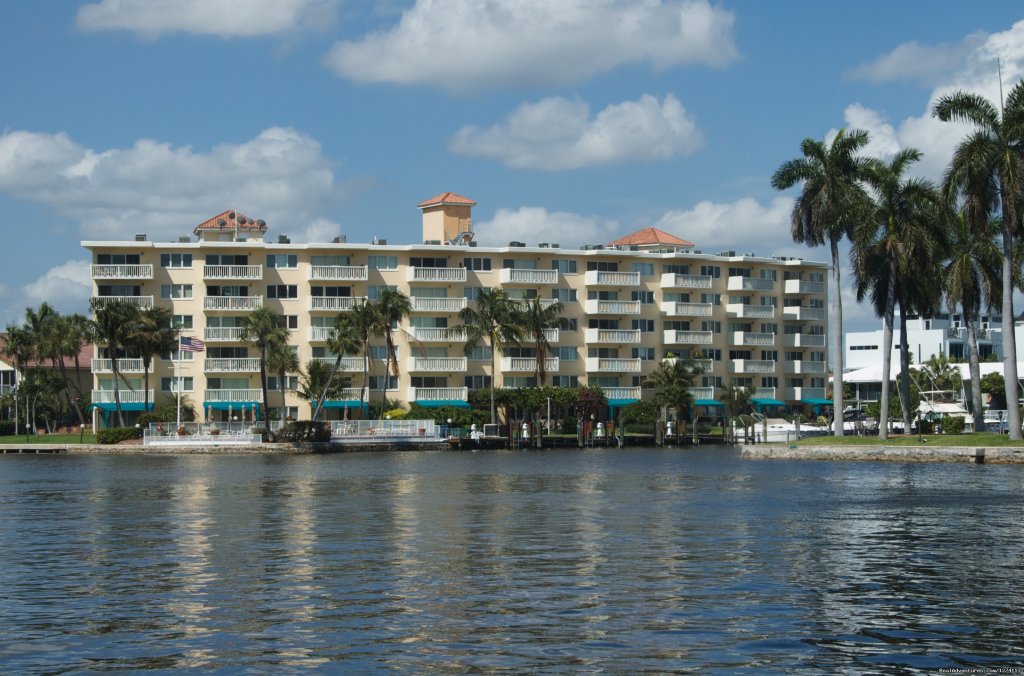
{"x":969,"y":454}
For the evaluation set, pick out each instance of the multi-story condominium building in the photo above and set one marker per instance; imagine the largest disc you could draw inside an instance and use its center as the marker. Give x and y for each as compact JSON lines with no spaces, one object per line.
{"x":752,"y":321}
{"x":943,"y":334}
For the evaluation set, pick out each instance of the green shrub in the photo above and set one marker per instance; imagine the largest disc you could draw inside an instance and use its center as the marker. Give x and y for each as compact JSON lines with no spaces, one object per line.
{"x":569,"y":425}
{"x":396,"y":414}
{"x":146,"y":418}
{"x":7,"y":428}
{"x":304,"y":430}
{"x":952,"y":424}
{"x":115,"y":435}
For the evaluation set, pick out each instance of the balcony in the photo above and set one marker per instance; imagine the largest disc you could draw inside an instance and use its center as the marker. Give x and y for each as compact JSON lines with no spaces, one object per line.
{"x":748,"y":338}
{"x":674,"y":337}
{"x":138,"y":301}
{"x":799,"y":286}
{"x":612,"y":307}
{"x":347,"y":363}
{"x":806,"y":367}
{"x":246,"y":395}
{"x":123,"y":271}
{"x":123,"y":366}
{"x":524,"y":303}
{"x":612,"y":336}
{"x":438,"y":335}
{"x":222,"y":334}
{"x":420,"y":304}
{"x":437,"y":365}
{"x":232,"y":272}
{"x":552,"y":335}
{"x":621,"y":393}
{"x":706,"y":365}
{"x":240,"y":365}
{"x":124,"y":394}
{"x":803,"y":340}
{"x":531,"y":277}
{"x":337,"y":273}
{"x":334,"y":303}
{"x":798,"y":393}
{"x":602,"y":278}
{"x":763,"y":393}
{"x":437,"y":275}
{"x":671,"y":280}
{"x":750,"y":284}
{"x":233,"y":303}
{"x":613,"y":365}
{"x":678,"y":309}
{"x":438,"y":393}
{"x":706,"y":393}
{"x":527,"y":364}
{"x":741,"y":311}
{"x":752,"y":366}
{"x":804,"y":314}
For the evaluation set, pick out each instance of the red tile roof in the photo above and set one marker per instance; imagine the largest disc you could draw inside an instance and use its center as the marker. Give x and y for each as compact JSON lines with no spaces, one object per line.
{"x":84,"y":357}
{"x":650,"y":236}
{"x":446,"y":198}
{"x":231,"y":219}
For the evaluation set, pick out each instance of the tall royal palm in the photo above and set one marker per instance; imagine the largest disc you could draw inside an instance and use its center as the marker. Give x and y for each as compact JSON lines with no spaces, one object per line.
{"x":536,"y":319}
{"x":263,"y":328}
{"x":155,"y":334}
{"x":891,"y":253}
{"x":282,"y":359}
{"x":390,"y":308}
{"x":114,"y":324}
{"x":494,"y":318}
{"x":832,"y":200}
{"x":993,"y":149}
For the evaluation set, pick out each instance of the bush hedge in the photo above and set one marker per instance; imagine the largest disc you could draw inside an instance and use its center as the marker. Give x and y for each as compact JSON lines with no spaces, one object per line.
{"x":952,"y":424}
{"x":7,"y":428}
{"x":115,"y":435}
{"x":304,"y":430}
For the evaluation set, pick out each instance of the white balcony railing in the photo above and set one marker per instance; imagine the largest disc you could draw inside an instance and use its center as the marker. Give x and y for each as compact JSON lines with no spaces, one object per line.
{"x":527,"y":364}
{"x":221,"y":334}
{"x":740,"y":310}
{"x":613,"y":365}
{"x":439,"y":335}
{"x":239,"y":365}
{"x":750,"y":284}
{"x":441,"y":275}
{"x":804,"y":314}
{"x":246,"y":395}
{"x":438,"y":393}
{"x":621,"y":392}
{"x":124,"y":394}
{"x":802,"y":367}
{"x":612,"y":307}
{"x":347,"y":363}
{"x":144,"y":271}
{"x":337,"y":273}
{"x":763,"y":393}
{"x":552,"y":335}
{"x":232,"y":272}
{"x":334,"y":303}
{"x":420,"y":304}
{"x":614,"y":336}
{"x":678,"y":309}
{"x":437,"y":364}
{"x":602,"y":278}
{"x":671,"y":280}
{"x":803,"y":340}
{"x":748,"y":338}
{"x":139,"y":301}
{"x":233,"y":303}
{"x":520,"y":276}
{"x":123,"y":366}
{"x":798,"y":393}
{"x":674,"y":337}
{"x":524,"y":303}
{"x":799,"y":286}
{"x":702,"y":392}
{"x":752,"y":366}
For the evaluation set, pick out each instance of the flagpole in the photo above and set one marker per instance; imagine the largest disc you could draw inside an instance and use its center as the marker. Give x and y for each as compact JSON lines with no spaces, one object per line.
{"x":177,"y":384}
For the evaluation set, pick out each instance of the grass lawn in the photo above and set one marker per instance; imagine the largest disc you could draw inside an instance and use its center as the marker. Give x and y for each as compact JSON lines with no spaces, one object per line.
{"x":982,"y":439}
{"x":50,"y":439}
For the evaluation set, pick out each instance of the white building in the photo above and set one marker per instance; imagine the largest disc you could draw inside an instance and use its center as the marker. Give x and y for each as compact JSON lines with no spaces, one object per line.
{"x":943,"y":334}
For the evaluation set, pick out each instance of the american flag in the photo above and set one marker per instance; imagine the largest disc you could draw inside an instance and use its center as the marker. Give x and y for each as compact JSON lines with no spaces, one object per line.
{"x":191,"y":344}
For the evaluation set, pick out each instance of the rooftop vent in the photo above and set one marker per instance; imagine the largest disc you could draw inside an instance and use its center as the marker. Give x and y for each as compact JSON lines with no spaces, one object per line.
{"x":472,"y":243}
{"x":727,"y":253}
{"x":283,"y":239}
{"x":379,"y":242}
{"x":554,"y":245}
{"x":340,"y":239}
{"x":517,"y":244}
{"x":432,"y":242}
{"x":184,"y":239}
{"x":140,"y":238}
{"x":543,"y":245}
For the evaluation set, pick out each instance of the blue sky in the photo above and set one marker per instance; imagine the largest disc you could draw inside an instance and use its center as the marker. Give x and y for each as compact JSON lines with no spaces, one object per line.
{"x":575,"y":121}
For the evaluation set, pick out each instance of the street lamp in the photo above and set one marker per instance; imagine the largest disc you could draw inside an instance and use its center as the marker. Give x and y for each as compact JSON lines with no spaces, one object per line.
{"x":81,"y":433}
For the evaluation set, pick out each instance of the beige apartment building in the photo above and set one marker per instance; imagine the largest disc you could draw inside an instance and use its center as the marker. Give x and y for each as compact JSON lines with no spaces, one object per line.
{"x":758,"y":322}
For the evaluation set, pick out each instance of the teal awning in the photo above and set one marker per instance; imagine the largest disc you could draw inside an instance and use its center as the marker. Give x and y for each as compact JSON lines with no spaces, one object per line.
{"x":344,"y":403}
{"x":438,"y":403}
{"x":111,"y":406}
{"x":767,"y":402}
{"x":708,"y":402}
{"x":621,"y":402}
{"x":232,"y":405}
{"x":818,"y":402}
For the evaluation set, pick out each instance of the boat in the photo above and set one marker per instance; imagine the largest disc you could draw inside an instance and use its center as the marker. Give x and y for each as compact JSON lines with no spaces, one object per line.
{"x":780,"y":430}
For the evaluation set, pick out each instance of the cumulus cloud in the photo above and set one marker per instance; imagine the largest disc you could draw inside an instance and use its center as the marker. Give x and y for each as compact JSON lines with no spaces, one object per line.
{"x":558,"y":134}
{"x":460,"y":46}
{"x":914,"y":62}
{"x":222,"y":18}
{"x":537,"y":224}
{"x":320,"y":230}
{"x":280,"y":176}
{"x":67,"y":287}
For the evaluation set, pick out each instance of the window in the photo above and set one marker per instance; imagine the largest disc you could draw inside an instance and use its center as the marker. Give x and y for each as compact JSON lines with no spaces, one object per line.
{"x":739,"y":354}
{"x":594,"y":323}
{"x":178,"y":356}
{"x":675,"y":297}
{"x":675,"y":269}
{"x":568,"y":324}
{"x":769,"y":327}
{"x":382,"y":262}
{"x":331,"y":291}
{"x":228,"y":291}
{"x":335,"y":261}
{"x":739,"y":272}
{"x":472,"y":293}
{"x":769,"y":355}
{"x":565,"y":353}
{"x":428,"y":262}
{"x":282,"y":261}
{"x":817,"y":355}
{"x":603,"y":352}
{"x":226,"y":259}
{"x":290,"y":383}
{"x":228,"y":352}
{"x":182,"y":322}
{"x":373,"y":292}
{"x":564,"y":266}
{"x":117,"y":259}
{"x":645,"y":353}
{"x":712,"y":353}
{"x":769,"y":300}
{"x":769,"y":381}
{"x":676,"y":325}
{"x":711,"y":381}
{"x":742,"y":382}
{"x":712,"y":271}
{"x":643,"y":325}
{"x":816,"y":277}
{"x":477,"y":382}
{"x":645,"y":297}
{"x":381,"y":352}
{"x":519,"y":263}
{"x":516,"y":382}
{"x":712,"y":298}
{"x":292,"y":322}
{"x":107,"y":290}
{"x":794,"y":382}
{"x":604,"y":381}
{"x":167,"y":383}
{"x":565,"y":381}
{"x":817,"y":382}
{"x":175,"y":290}
{"x":478,"y":264}
{"x":712,"y":326}
{"x":564,"y":295}
{"x":429,"y":381}
{"x":289,"y":412}
{"x":863,"y":347}
{"x":602,"y":295}
{"x":176,"y":260}
{"x":769,"y":273}
{"x":479,"y":353}
{"x":377,"y":381}
{"x":603,"y":266}
{"x":645,"y":269}
{"x":281,"y":291}
{"x":794,"y":356}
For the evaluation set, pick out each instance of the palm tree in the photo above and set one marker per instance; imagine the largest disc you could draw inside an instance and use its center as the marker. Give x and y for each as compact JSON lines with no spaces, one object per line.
{"x":114,"y":324}
{"x":282,"y":359}
{"x":43,"y":326}
{"x":390,"y":308}
{"x":21,"y":349}
{"x":535,"y":320}
{"x":494,"y":318}
{"x":74,"y":333}
{"x":319,"y":381}
{"x":154,"y":335}
{"x":263,"y":328}
{"x":993,"y":150}
{"x":348,"y":335}
{"x":891,"y":253}
{"x":832,"y":200}
{"x":672,"y":382}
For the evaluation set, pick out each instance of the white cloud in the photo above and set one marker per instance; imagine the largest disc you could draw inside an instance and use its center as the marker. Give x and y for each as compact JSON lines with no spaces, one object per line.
{"x":536,"y":224}
{"x":223,"y":18}
{"x":558,"y":134}
{"x":67,"y":287}
{"x":459,"y":45}
{"x":279,"y":176}
{"x":320,"y":230}
{"x":912,"y":61}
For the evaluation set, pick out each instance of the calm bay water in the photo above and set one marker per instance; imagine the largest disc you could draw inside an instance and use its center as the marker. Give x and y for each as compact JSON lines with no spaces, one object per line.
{"x":611,"y":561}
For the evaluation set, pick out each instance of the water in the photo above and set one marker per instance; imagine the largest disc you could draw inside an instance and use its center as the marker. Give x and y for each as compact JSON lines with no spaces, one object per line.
{"x":607,"y":561}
